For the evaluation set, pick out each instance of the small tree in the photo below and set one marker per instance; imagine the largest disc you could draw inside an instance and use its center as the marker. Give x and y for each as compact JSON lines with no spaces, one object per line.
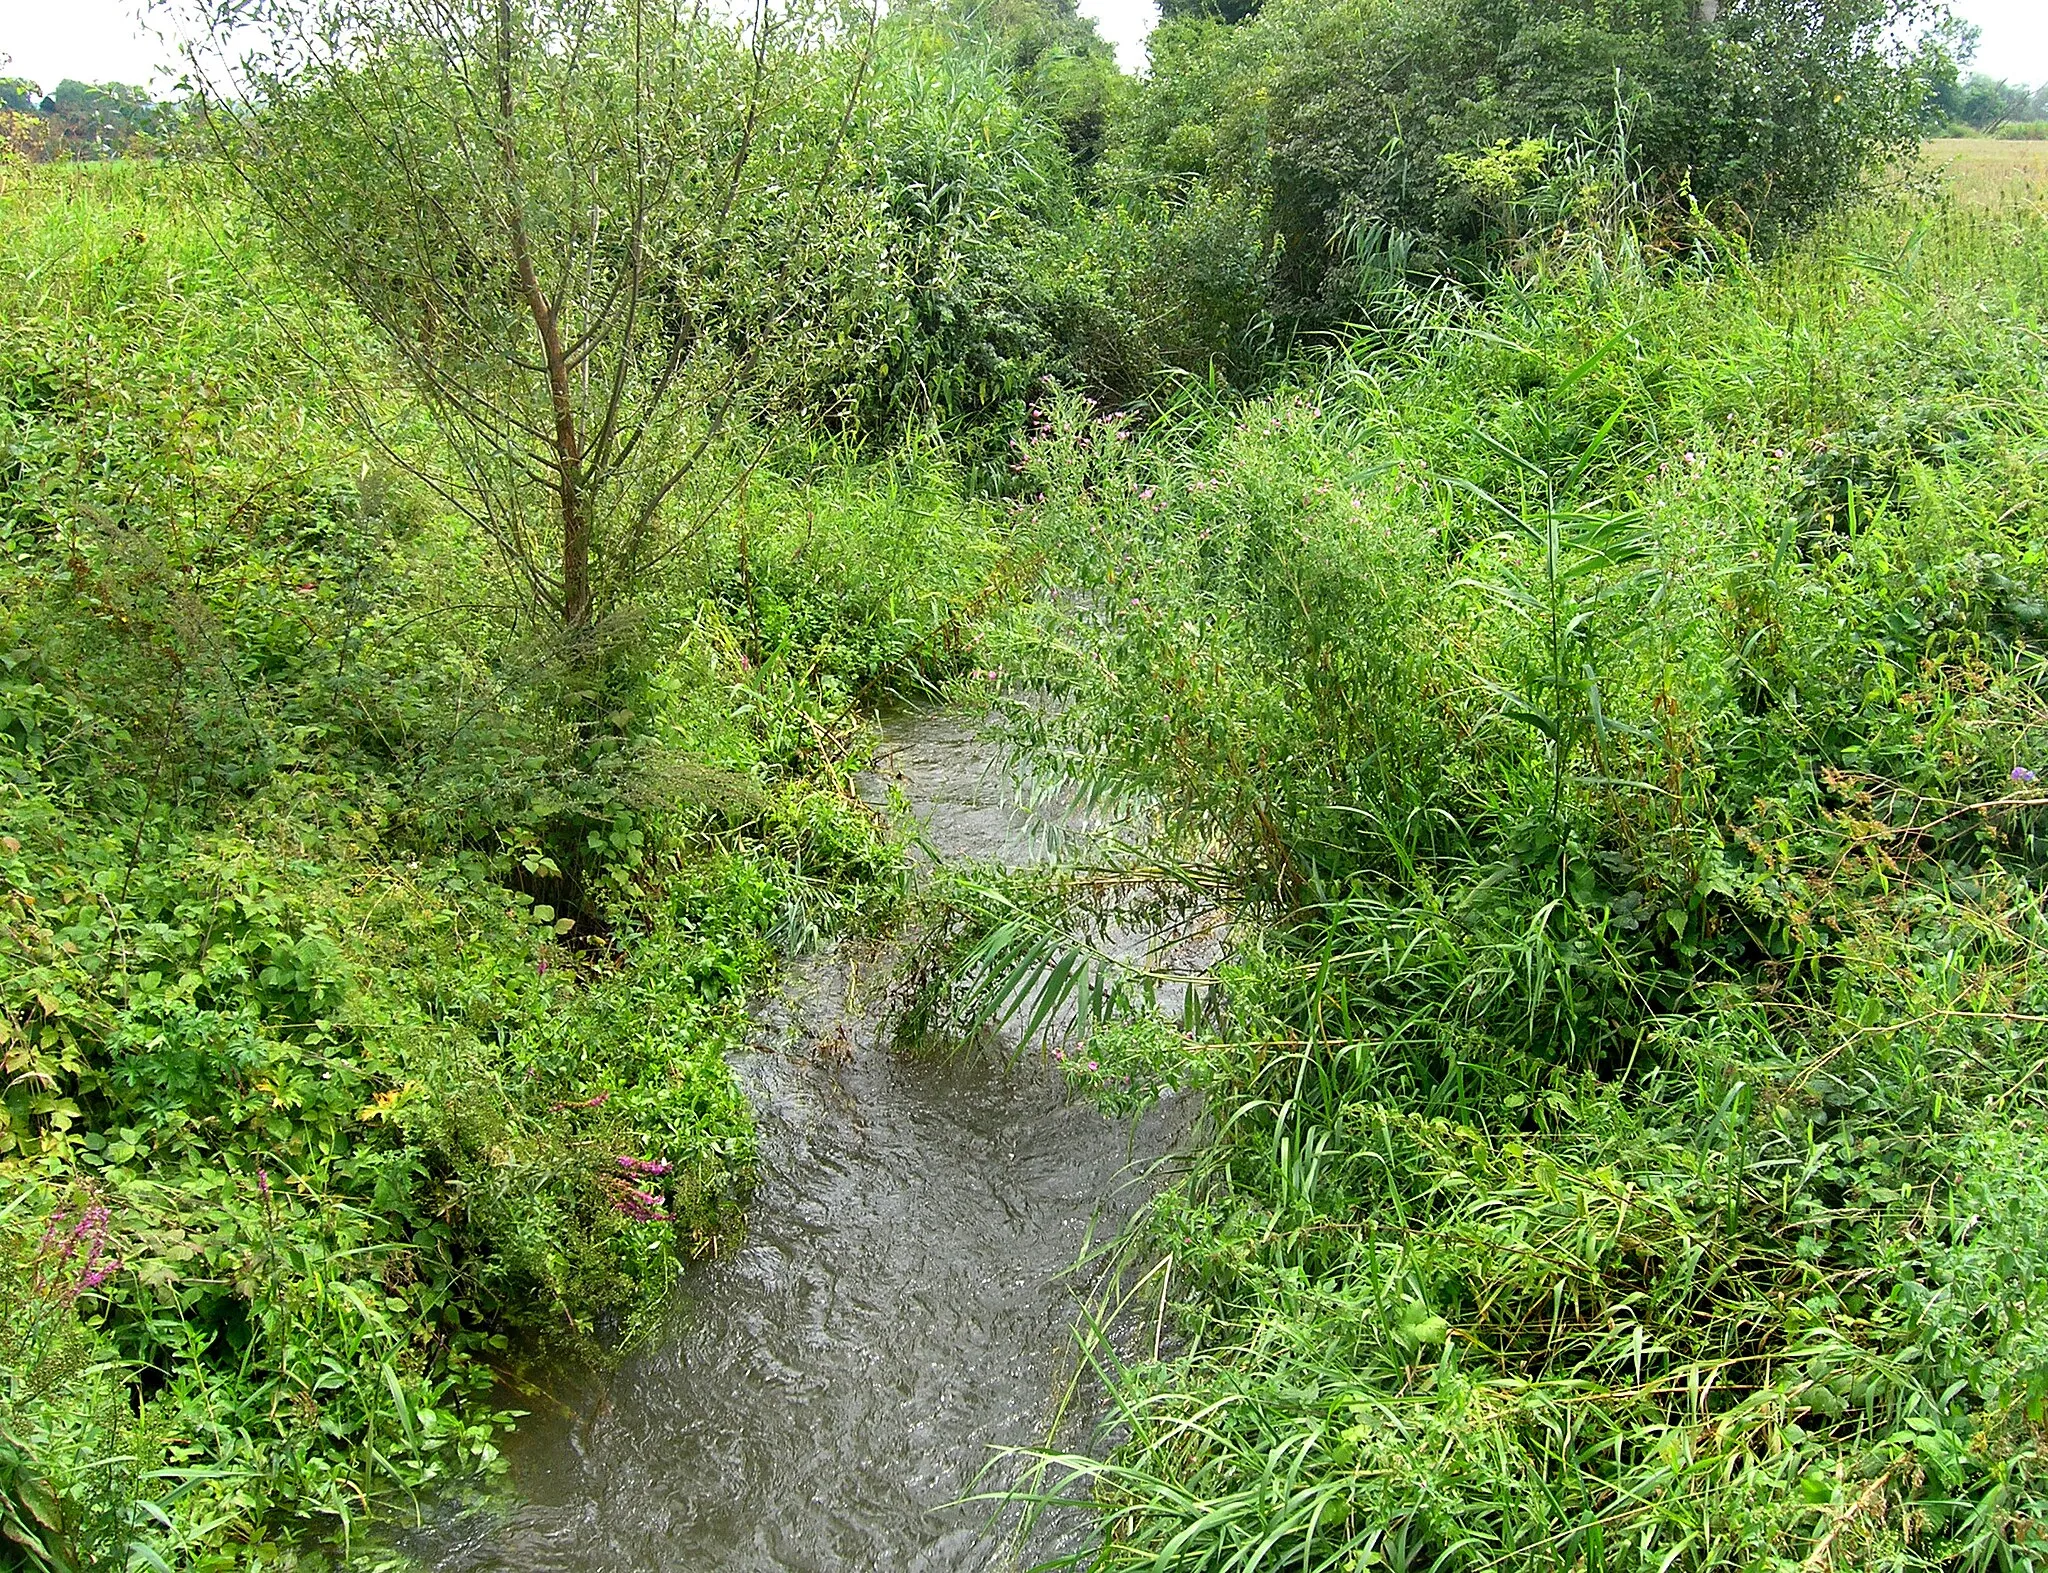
{"x":535,"y":203}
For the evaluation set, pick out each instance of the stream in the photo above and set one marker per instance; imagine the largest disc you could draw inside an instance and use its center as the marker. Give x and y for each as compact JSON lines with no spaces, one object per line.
{"x":901,"y":1301}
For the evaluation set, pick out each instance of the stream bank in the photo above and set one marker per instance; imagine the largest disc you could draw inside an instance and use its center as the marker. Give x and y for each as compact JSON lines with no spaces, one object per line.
{"x":900,"y":1303}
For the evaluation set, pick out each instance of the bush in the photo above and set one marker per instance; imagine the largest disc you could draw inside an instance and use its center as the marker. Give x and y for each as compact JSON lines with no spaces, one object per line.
{"x":1371,"y":132}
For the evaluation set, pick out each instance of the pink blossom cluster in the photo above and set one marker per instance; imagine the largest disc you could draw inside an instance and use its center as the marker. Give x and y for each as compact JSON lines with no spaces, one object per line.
{"x":643,"y":1165}
{"x":638,"y":1205}
{"x":70,"y":1262}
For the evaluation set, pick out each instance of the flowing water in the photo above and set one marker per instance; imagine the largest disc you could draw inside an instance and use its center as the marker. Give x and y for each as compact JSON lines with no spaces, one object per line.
{"x":900,"y":1304}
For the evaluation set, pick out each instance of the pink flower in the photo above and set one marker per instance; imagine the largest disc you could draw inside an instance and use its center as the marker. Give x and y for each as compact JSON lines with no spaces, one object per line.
{"x":636,"y":1204}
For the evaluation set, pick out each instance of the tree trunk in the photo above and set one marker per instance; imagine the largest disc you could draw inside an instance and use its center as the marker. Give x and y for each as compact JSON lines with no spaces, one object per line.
{"x":569,"y":501}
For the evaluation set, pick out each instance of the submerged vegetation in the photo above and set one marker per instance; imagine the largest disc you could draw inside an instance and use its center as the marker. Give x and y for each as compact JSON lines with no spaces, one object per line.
{"x":1561,"y":578}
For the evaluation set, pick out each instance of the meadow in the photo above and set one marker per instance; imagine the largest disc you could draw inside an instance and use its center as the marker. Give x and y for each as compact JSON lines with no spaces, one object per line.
{"x":1990,"y":169}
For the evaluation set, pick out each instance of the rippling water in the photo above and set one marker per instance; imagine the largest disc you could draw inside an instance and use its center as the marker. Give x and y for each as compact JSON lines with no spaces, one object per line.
{"x":900,"y":1304}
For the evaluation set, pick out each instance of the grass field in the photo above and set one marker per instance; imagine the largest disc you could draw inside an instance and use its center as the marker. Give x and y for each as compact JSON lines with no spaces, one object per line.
{"x":1985,"y":169}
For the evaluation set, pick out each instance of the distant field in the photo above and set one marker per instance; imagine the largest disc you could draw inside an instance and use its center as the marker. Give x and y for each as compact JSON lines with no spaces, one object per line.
{"x":1987,"y":169}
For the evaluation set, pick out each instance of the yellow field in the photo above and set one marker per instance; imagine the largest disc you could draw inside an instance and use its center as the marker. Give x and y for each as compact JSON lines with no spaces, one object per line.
{"x":1986,"y":169}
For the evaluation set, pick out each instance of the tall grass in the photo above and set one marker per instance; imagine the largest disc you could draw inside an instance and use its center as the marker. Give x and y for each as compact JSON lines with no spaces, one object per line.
{"x":1613,"y":727}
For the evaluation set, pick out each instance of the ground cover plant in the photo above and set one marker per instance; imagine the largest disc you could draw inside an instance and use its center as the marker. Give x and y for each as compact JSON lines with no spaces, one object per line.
{"x":363,"y":1019}
{"x":1612,"y":719}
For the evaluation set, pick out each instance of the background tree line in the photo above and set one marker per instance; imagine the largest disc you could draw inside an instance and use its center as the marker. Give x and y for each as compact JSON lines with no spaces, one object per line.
{"x":82,"y":120}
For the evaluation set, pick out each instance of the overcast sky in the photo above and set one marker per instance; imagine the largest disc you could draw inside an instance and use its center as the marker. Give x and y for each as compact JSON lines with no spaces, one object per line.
{"x":101,"y":40}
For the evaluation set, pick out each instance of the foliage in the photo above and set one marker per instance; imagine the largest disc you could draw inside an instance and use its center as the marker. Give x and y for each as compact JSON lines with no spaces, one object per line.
{"x":377,"y":1020}
{"x":1611,"y":724}
{"x":537,"y":209}
{"x":1987,"y":104}
{"x":82,"y":120}
{"x":1354,"y":125}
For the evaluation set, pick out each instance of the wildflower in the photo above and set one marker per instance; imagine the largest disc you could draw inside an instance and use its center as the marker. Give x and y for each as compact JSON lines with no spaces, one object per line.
{"x":2023,"y":775}
{"x":540,"y":966}
{"x":643,"y":1165}
{"x":1145,"y":493}
{"x":69,"y":1262}
{"x":263,"y":1182}
{"x":641,"y":1206}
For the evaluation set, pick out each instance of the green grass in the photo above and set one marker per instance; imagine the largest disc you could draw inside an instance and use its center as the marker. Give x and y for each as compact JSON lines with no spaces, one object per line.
{"x":1611,"y":717}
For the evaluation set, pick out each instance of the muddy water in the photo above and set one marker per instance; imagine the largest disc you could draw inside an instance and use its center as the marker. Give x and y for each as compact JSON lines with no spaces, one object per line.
{"x":900,"y":1304}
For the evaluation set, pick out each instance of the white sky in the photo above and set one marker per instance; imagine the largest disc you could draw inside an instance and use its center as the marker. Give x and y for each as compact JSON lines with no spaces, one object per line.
{"x":103,"y":40}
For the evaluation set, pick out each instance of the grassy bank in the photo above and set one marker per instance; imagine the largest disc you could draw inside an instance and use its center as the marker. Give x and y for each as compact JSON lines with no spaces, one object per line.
{"x":1609,"y":707}
{"x":363,"y":1020}
{"x":1615,"y":716}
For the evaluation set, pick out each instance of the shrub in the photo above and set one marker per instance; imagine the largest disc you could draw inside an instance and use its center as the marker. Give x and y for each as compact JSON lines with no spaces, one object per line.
{"x":1355,"y":123}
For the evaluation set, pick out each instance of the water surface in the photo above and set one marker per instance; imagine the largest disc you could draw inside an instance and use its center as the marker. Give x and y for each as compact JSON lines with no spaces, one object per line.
{"x":900,"y":1304}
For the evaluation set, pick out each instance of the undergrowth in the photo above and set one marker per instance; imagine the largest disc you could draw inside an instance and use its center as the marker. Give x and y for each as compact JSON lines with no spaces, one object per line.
{"x":364,"y":1020}
{"x":1610,"y":721}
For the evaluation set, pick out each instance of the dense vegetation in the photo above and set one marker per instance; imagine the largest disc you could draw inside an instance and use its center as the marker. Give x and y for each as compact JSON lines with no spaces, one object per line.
{"x":359,"y":1016}
{"x":84,"y":120}
{"x":1621,"y":709}
{"x":1568,"y":606}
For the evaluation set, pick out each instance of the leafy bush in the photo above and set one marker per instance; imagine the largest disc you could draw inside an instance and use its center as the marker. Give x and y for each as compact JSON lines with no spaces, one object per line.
{"x":1612,"y":728}
{"x":1356,"y":124}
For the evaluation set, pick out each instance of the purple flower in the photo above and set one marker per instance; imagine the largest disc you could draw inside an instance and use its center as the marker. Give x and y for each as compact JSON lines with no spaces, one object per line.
{"x":636,"y":1204}
{"x":2023,"y":775}
{"x":643,"y":1165}
{"x":69,"y":1262}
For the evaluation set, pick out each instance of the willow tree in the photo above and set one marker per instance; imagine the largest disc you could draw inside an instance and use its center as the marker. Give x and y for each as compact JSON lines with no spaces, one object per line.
{"x":540,"y":205}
